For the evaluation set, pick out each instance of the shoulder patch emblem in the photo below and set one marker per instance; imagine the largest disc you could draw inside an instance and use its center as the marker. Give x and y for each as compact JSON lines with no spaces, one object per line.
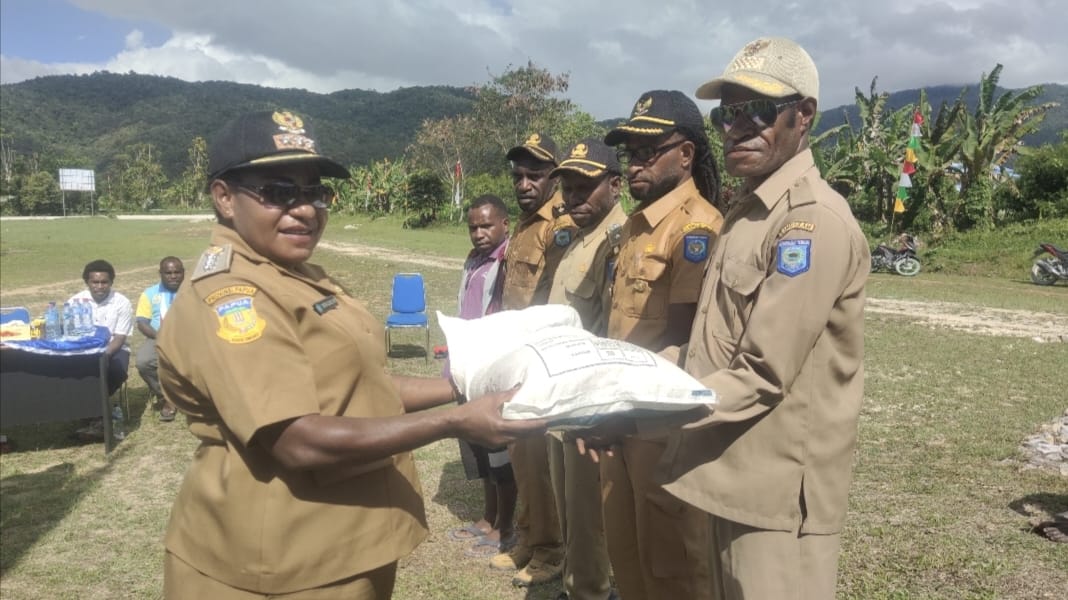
{"x":795,"y":257}
{"x":696,"y":225}
{"x":802,"y":225}
{"x":695,"y":246}
{"x":215,"y":259}
{"x":562,"y":238}
{"x":238,"y":321}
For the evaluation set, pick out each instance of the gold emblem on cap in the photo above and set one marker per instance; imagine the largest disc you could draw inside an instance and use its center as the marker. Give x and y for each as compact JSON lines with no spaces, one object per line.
{"x":580,"y":151}
{"x":642,"y":107}
{"x":755,"y":46}
{"x":288,"y":122}
{"x":533,"y":140}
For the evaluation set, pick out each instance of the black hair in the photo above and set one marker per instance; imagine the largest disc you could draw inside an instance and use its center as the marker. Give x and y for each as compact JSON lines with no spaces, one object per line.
{"x":493,"y":201}
{"x":98,"y":266}
{"x":168,"y":259}
{"x":705,"y":171}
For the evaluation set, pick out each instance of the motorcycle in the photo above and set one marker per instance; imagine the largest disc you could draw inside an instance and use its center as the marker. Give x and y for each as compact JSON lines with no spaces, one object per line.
{"x":1050,"y":269}
{"x":902,"y":260}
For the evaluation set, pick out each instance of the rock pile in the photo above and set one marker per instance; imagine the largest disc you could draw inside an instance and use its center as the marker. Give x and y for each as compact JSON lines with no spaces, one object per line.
{"x":1048,"y":449}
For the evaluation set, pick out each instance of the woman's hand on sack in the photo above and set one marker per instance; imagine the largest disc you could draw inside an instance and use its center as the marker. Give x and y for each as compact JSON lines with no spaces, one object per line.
{"x":479,"y":421}
{"x":602,"y":437}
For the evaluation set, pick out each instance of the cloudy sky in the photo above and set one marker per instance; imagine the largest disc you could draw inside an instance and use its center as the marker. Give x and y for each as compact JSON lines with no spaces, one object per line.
{"x":612,"y":50}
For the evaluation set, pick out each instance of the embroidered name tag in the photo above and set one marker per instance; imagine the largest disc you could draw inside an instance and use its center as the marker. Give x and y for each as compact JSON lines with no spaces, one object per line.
{"x":326,"y":304}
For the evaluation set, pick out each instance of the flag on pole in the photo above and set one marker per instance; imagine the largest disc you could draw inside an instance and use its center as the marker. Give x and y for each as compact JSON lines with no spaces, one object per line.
{"x":457,"y":185}
{"x":908,"y":167}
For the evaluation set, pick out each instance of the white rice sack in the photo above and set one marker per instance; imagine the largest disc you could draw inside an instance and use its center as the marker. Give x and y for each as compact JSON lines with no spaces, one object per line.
{"x":574,"y":378}
{"x":476,"y":343}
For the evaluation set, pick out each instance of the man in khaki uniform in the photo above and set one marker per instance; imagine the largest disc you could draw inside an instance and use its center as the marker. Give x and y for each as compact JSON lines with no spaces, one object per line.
{"x":779,"y":338}
{"x":590,"y":182}
{"x":534,"y":252}
{"x":303,"y":484}
{"x":657,"y":543}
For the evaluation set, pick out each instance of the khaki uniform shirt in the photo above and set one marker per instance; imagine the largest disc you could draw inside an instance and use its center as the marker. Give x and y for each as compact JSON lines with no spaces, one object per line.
{"x":779,"y":336}
{"x":253,"y":345}
{"x":583,"y":279}
{"x":534,"y":252}
{"x":665,"y":248}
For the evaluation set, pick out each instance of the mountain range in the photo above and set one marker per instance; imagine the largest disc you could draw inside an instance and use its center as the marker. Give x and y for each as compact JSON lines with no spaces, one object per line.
{"x":88,"y":121}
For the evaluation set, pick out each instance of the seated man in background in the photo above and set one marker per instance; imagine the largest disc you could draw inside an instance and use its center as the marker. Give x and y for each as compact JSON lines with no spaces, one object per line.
{"x":151,"y":308}
{"x":112,"y":310}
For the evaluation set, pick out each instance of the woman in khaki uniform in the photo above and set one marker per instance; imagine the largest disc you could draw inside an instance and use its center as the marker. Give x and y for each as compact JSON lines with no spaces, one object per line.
{"x":303,"y":485}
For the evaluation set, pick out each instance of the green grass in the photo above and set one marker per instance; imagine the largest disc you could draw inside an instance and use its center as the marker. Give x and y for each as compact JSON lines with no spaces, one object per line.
{"x":938,"y":507}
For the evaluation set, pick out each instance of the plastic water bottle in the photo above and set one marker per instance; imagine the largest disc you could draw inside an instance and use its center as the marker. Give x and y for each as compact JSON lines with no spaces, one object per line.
{"x":70,"y":329}
{"x":116,"y":423}
{"x":90,"y":324}
{"x":53,"y":327}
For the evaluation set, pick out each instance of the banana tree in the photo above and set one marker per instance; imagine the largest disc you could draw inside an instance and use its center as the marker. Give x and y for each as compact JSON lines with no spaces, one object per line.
{"x":991,"y":134}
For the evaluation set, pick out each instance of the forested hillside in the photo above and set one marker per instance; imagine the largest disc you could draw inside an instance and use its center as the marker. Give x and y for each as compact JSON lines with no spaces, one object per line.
{"x":86,"y":121}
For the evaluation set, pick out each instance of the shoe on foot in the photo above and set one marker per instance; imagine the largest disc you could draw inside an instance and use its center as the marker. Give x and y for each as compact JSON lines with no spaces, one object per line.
{"x":537,"y":572}
{"x":166,"y":414}
{"x":513,"y":560}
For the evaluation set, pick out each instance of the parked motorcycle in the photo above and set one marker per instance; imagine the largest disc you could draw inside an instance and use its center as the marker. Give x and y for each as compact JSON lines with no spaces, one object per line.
{"x":902,"y":260}
{"x":1050,"y":269}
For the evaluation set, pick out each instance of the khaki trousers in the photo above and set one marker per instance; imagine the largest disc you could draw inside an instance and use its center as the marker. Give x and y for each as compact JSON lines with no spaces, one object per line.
{"x":577,"y":486}
{"x":536,"y":520}
{"x":658,"y":544}
{"x":758,"y":563}
{"x":182,"y":582}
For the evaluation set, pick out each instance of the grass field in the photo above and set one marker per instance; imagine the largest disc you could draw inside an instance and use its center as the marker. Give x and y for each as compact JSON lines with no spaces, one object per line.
{"x":939,"y":507}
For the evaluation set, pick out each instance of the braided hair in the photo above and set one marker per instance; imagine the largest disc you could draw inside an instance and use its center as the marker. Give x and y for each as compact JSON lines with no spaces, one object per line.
{"x":705,"y":170}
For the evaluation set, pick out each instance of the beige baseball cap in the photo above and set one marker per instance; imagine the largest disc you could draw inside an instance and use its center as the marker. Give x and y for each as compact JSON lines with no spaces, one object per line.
{"x":772,"y":66}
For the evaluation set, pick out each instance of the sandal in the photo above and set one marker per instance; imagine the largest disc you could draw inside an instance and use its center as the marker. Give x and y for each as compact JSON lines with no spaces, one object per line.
{"x":467,"y":533}
{"x":166,"y":414}
{"x":483,"y":548}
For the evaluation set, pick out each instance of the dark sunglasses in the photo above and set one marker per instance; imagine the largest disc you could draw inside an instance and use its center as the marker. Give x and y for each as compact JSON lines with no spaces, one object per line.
{"x":761,"y":112}
{"x":645,"y":154}
{"x":285,"y":195}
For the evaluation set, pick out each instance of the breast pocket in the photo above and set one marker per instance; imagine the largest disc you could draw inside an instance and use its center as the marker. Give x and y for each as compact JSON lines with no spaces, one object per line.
{"x":525,"y":268}
{"x":735,"y":295}
{"x":646,"y":290}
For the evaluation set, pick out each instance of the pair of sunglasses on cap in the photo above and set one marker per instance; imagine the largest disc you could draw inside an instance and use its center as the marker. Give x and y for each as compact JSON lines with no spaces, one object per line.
{"x":286,"y":195}
{"x":761,"y":112}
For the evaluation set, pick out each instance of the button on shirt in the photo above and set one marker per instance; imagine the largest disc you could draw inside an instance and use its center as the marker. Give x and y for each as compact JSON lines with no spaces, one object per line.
{"x":782,"y":345}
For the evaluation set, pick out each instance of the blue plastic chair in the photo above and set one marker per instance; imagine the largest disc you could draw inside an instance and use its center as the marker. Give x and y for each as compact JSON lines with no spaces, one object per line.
{"x":408,"y":308}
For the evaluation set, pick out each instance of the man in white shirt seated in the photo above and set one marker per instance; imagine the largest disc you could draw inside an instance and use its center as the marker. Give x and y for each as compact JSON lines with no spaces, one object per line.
{"x":112,"y":310}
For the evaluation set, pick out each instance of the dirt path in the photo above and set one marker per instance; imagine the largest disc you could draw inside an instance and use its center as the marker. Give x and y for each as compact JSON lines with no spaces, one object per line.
{"x":1039,"y":326}
{"x":394,"y":255}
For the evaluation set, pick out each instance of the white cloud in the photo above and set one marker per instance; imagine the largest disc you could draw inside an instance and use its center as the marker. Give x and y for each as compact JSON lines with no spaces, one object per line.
{"x":135,"y":39}
{"x":612,"y":54}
